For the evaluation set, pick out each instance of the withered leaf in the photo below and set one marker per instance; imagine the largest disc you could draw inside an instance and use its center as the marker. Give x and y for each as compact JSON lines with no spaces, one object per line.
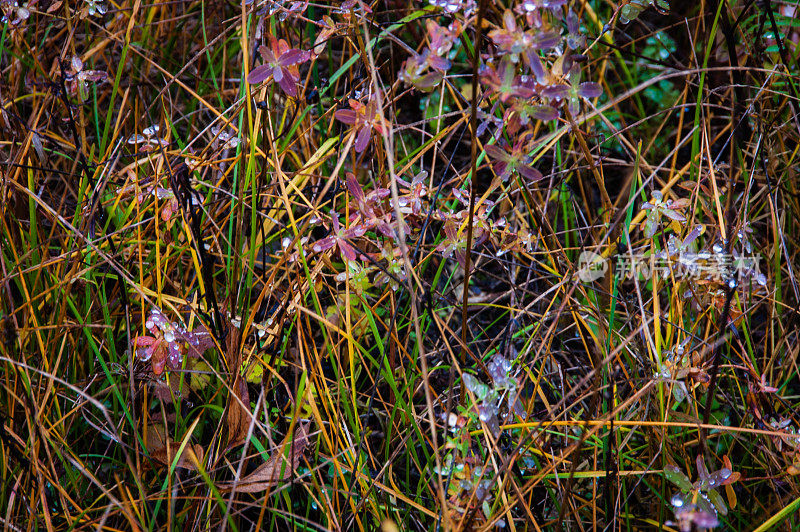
{"x":238,"y":416}
{"x":162,"y":448}
{"x":280,"y":466}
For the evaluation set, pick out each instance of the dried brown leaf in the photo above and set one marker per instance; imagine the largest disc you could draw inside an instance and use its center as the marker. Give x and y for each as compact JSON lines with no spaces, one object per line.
{"x":163,"y":449}
{"x":280,"y":466}
{"x":238,"y":414}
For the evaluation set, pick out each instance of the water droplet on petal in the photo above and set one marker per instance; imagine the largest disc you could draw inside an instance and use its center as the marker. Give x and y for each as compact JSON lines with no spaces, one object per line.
{"x":144,"y":354}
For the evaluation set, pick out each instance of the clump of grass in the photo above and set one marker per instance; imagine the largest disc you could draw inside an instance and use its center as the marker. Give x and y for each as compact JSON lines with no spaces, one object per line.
{"x":458,"y":265}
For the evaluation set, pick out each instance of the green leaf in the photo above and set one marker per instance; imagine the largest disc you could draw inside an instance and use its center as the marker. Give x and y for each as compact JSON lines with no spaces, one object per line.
{"x":475,"y":386}
{"x":717,"y":500}
{"x":677,"y":477}
{"x":199,"y":376}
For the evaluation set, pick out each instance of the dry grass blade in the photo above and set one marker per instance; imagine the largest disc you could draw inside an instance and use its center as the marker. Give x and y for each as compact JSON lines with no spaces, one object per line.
{"x":527,"y":265}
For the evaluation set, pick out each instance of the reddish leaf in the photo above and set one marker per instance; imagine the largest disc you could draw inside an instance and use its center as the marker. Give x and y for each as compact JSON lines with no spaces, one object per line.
{"x":530,"y":173}
{"x":362,"y":139}
{"x":672,"y":215}
{"x":590,"y":89}
{"x":556,"y":92}
{"x":94,"y":75}
{"x":326,"y":243}
{"x":292,"y":57}
{"x":287,"y":83}
{"x":533,"y":61}
{"x":497,"y":153}
{"x":428,"y":81}
{"x":354,"y":188}
{"x":346,"y":116}
{"x":438,"y":63}
{"x":548,"y":39}
{"x":544,"y":113}
{"x":348,"y":252}
{"x":259,"y":74}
